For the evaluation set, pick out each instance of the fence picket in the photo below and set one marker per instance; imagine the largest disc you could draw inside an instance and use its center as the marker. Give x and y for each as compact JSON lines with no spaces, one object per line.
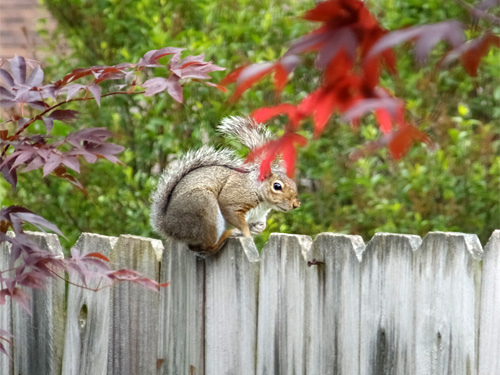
{"x":446,"y":304}
{"x":231,"y":310}
{"x":489,"y":345}
{"x":387,"y":297}
{"x":281,"y":346}
{"x":88,"y":315}
{"x":6,"y":365}
{"x":39,"y":338}
{"x":333,"y":294}
{"x":134,"y":309}
{"x":181,"y":331}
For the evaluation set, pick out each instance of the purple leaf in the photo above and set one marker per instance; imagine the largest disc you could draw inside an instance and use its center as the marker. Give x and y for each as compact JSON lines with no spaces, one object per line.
{"x":340,"y":38}
{"x":36,"y":77}
{"x":21,"y":122}
{"x":290,"y":62}
{"x":72,"y":89}
{"x":7,"y":103}
{"x":7,"y":78}
{"x":63,"y":114}
{"x":392,"y":105}
{"x":155,"y":85}
{"x":48,"y":123}
{"x":37,"y":104}
{"x":175,"y":89}
{"x":36,"y":163}
{"x":22,"y":298}
{"x":150,"y":59}
{"x":252,"y":70}
{"x":96,"y":91}
{"x":426,"y":37}
{"x":51,"y":163}
{"x":22,"y":158}
{"x":18,"y":68}
{"x":71,"y":162}
{"x":36,"y":220}
{"x":8,"y":173}
{"x":6,"y":94}
{"x":306,"y":43}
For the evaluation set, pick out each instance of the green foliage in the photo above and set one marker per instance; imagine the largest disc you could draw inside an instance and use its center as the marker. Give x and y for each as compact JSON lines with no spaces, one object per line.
{"x":454,"y":188}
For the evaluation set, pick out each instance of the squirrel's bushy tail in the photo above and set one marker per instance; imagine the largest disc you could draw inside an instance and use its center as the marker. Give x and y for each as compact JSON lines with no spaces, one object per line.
{"x":246,"y":130}
{"x":204,"y":157}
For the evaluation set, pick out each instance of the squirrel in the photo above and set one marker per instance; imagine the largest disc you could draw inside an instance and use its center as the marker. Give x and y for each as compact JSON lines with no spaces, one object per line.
{"x":207,"y":189}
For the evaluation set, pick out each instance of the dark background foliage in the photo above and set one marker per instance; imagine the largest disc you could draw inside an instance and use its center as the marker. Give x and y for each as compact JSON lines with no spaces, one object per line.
{"x":455,"y":187}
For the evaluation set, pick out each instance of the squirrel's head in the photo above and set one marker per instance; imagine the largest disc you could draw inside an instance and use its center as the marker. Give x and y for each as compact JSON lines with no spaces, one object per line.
{"x":280,"y":192}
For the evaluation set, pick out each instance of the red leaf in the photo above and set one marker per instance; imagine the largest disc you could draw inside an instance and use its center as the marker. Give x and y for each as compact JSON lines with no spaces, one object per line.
{"x":233,"y":76}
{"x":325,"y":11}
{"x":384,"y":119}
{"x":280,"y":78}
{"x":218,"y":87}
{"x":98,"y":255}
{"x":478,"y":48}
{"x":264,"y":114}
{"x":249,"y":76}
{"x":324,"y":110}
{"x":404,"y":138}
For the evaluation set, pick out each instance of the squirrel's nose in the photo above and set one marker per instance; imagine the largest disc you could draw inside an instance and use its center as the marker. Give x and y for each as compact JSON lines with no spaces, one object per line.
{"x":296,"y":204}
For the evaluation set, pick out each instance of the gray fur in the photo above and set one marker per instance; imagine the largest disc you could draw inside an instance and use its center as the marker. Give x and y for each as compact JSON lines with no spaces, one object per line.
{"x":204,"y":157}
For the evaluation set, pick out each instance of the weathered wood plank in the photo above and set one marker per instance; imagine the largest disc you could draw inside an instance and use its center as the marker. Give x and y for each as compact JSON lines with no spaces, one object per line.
{"x":39,"y":338}
{"x":180,"y":348}
{"x":231,"y":309}
{"x":489,"y":344}
{"x":134,"y":309}
{"x":88,"y":316}
{"x":6,"y":365}
{"x":446,"y":304}
{"x":282,"y":307}
{"x":387,"y":298}
{"x":333,"y":294}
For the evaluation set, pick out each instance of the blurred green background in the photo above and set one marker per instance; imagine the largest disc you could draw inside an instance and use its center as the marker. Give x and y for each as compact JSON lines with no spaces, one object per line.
{"x":455,"y":188}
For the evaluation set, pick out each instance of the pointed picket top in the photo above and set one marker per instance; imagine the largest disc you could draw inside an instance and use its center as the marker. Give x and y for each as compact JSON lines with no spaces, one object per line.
{"x":91,"y":242}
{"x":470,"y":242}
{"x":293,"y":241}
{"x":354,"y":243}
{"x":410,"y":241}
{"x":489,"y":345}
{"x":248,"y":246}
{"x":493,"y":242}
{"x":47,"y":241}
{"x":156,"y":245}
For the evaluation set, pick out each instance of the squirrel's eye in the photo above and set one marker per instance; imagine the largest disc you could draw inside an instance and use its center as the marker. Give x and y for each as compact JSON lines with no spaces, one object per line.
{"x":277,"y":186}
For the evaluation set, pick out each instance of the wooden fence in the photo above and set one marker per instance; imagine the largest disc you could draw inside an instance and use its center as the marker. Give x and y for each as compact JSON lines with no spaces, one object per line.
{"x":397,"y":305}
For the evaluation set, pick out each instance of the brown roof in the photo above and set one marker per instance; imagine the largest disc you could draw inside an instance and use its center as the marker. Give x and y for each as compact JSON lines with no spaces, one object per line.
{"x":18,"y":21}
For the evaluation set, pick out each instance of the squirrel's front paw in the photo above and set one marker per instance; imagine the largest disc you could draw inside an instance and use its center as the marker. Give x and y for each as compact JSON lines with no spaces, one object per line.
{"x":257,"y":227}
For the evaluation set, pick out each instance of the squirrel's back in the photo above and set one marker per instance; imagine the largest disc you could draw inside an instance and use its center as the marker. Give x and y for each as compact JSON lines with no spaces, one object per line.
{"x":193,"y":160}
